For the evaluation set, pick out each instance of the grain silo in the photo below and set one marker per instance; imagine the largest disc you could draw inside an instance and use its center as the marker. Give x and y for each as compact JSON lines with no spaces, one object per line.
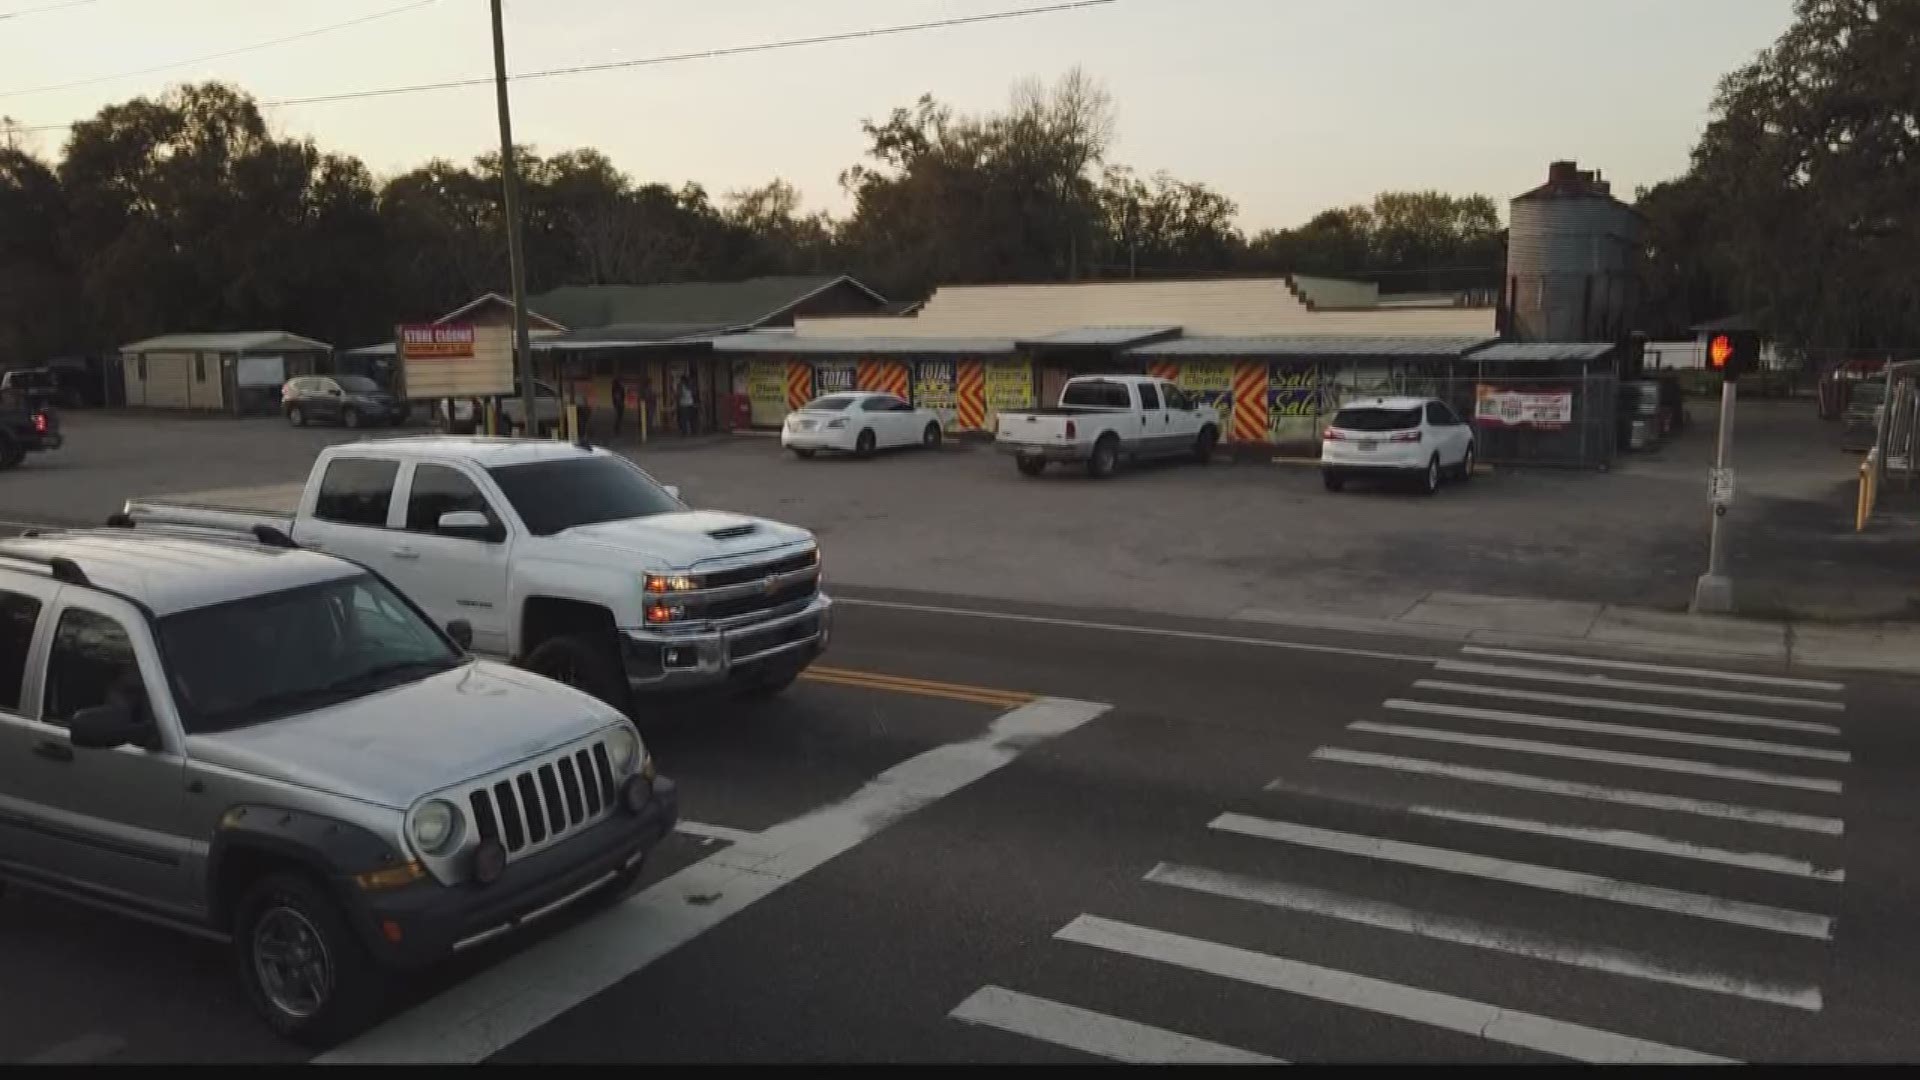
{"x":1570,"y":260}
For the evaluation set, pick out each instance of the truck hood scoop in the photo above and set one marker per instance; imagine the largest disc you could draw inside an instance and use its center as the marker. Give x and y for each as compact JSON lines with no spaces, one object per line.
{"x":730,"y":531}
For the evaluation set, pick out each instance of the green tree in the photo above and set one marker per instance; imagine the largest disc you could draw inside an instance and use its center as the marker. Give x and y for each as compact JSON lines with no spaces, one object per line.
{"x":38,"y":318}
{"x":1166,"y":223}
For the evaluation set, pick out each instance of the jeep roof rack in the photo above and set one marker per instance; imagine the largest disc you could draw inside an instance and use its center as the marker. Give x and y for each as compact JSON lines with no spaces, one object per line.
{"x":59,"y":567}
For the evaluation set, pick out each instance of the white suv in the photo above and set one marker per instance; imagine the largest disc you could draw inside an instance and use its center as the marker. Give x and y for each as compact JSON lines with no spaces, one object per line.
{"x":1420,"y":439}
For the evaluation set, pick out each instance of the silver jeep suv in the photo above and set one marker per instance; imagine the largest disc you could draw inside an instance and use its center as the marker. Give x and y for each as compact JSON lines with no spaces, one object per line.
{"x":275,"y":747}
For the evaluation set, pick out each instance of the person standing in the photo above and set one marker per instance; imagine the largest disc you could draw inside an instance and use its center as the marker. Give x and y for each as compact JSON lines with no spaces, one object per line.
{"x":687,"y":403}
{"x":619,"y":391}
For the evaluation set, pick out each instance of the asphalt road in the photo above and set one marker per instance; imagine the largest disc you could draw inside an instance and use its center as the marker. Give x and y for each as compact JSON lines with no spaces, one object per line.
{"x":1052,"y":835}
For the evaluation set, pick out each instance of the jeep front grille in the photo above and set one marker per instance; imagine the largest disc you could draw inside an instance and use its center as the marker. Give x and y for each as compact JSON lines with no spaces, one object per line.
{"x":546,"y":801}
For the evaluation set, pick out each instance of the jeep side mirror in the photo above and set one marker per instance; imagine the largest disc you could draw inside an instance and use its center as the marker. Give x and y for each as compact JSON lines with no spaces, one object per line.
{"x":461,"y":631}
{"x":116,"y":722}
{"x":469,"y":524}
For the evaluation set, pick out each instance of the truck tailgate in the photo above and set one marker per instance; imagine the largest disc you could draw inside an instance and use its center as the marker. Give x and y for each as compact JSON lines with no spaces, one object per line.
{"x":224,"y":508}
{"x":1034,"y":429}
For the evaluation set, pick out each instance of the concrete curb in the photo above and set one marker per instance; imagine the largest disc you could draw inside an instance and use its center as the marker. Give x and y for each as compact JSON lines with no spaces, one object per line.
{"x":1514,"y":621}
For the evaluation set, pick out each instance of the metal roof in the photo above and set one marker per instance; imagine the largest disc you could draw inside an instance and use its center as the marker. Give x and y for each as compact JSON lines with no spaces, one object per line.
{"x":796,"y":343}
{"x":716,"y":304}
{"x":171,"y":573}
{"x":1316,"y":347}
{"x":1101,"y":337}
{"x":239,"y":341}
{"x":1542,"y":352}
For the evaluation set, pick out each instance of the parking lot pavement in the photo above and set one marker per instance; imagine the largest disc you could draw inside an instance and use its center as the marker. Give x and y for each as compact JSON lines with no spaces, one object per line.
{"x":88,"y":986}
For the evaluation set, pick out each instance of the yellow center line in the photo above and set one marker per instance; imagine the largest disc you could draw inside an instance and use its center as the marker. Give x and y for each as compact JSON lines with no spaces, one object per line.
{"x":869,"y":680}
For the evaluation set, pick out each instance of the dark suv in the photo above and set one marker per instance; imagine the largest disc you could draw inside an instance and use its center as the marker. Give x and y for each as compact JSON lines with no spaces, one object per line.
{"x":25,"y":427}
{"x":349,"y":400}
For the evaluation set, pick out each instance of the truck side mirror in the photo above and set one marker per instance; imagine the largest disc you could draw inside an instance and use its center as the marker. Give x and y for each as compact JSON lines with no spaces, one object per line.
{"x":461,"y":631}
{"x":468,"y":524}
{"x":674,"y":491}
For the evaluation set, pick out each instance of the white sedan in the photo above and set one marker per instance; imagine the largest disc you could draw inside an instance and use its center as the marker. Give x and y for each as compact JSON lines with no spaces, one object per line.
{"x":858,"y":422}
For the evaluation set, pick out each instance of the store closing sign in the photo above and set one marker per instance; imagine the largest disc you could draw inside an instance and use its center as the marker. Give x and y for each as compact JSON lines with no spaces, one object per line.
{"x":1210,"y":382}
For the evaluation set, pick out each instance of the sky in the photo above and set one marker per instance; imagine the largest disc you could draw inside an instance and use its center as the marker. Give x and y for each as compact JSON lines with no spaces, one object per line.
{"x":1286,"y":106}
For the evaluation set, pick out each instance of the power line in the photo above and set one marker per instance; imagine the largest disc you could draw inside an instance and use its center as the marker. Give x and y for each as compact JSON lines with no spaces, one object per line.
{"x":302,"y":35}
{"x":44,"y":8}
{"x":673,"y":58}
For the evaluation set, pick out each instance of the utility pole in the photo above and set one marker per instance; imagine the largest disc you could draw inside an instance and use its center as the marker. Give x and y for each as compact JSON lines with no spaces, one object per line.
{"x":516,"y":243}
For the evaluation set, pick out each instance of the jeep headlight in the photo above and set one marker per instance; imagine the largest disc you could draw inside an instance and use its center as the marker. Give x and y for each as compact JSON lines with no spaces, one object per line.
{"x":436,"y":827}
{"x":623,"y":750}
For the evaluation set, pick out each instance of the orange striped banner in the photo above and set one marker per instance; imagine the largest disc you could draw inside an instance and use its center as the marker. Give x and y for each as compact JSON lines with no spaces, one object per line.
{"x":799,"y":384}
{"x":886,"y":376}
{"x":1249,"y":403}
{"x":1164,"y":369}
{"x":970,"y":396}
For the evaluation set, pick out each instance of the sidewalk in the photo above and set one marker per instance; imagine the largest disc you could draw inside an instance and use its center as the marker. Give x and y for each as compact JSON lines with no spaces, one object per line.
{"x":1470,"y":617}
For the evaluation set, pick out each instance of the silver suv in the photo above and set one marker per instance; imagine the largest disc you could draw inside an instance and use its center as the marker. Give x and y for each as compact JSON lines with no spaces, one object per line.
{"x":275,"y":747}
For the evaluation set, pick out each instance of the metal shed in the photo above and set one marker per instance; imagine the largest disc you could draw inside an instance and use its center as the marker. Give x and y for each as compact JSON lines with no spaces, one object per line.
{"x":238,"y":373}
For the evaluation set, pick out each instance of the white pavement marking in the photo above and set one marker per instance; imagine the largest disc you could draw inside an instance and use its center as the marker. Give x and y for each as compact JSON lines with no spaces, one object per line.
{"x":1096,"y":1033}
{"x":1645,"y":707}
{"x":716,"y":832}
{"x":1549,"y":878}
{"x":1611,"y":683}
{"x":1124,"y":628}
{"x":1663,"y":669}
{"x":1626,"y":731}
{"x":1619,"y":838}
{"x":91,"y":1047}
{"x":499,"y":1006}
{"x":1508,"y":1026}
{"x":1611,"y":757}
{"x":1649,"y":800}
{"x":1514,"y":942}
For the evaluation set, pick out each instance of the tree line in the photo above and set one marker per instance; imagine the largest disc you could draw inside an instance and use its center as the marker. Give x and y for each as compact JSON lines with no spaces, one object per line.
{"x":184,"y":211}
{"x":1801,"y":204}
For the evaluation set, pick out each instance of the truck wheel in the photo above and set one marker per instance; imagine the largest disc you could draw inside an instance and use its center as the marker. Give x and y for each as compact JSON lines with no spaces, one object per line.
{"x":863,"y":446}
{"x":1203,"y":446}
{"x":350,"y":417}
{"x":930,"y":438}
{"x":1031,"y":466}
{"x":301,"y":965}
{"x":296,"y":416}
{"x":587,"y":663}
{"x":10,"y":453}
{"x":1106,"y":455}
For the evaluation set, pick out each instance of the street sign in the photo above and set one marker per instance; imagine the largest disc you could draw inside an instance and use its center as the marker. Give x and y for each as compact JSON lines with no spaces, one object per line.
{"x":1720,"y":486}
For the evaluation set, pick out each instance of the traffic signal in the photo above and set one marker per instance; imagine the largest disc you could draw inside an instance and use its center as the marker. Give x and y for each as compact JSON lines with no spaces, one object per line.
{"x":1733,"y":353}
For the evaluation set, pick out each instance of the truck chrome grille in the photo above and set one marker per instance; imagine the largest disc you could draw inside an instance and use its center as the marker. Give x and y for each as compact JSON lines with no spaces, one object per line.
{"x":795,"y":578}
{"x":545,"y":801}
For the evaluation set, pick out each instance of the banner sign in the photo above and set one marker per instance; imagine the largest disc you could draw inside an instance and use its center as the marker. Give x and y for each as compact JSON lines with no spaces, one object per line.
{"x":934,"y":388}
{"x":1522,"y":408}
{"x":833,"y":377}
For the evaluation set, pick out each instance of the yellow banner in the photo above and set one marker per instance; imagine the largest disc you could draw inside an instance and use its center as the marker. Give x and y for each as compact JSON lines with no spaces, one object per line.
{"x":767,"y":382}
{"x":1009,"y":384}
{"x":1206,"y":375}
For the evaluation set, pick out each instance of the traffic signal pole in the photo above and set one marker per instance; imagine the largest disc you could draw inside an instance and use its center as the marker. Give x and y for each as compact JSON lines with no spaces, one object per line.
{"x":1713,"y":592}
{"x":1731,"y":354}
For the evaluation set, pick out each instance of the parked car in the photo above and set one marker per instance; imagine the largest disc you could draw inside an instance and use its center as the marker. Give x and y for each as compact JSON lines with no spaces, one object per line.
{"x":61,"y":385}
{"x":348,"y":400}
{"x":465,"y":416}
{"x":276,"y":748}
{"x":858,"y":423}
{"x":1104,"y":419}
{"x":568,"y":560}
{"x":26,"y":426}
{"x":1406,"y":438}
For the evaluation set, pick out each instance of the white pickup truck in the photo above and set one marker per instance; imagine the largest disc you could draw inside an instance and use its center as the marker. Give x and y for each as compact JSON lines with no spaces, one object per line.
{"x":567,"y":560}
{"x":1104,"y":418}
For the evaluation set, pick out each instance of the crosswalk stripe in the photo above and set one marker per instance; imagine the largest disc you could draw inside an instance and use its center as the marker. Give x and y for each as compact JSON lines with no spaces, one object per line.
{"x":1584,"y":679}
{"x":1551,"y":879}
{"x":1629,"y":731}
{"x":1611,"y":757}
{"x":1663,"y":669}
{"x":1649,"y":800}
{"x":1507,"y":1026}
{"x":1615,"y":705}
{"x":1096,"y":1033}
{"x":1624,"y":839}
{"x":1460,"y":931}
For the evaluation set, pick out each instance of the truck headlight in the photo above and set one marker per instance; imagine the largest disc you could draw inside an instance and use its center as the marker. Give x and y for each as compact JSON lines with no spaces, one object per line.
{"x":436,"y":827}
{"x":671,"y":583}
{"x":623,"y":750}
